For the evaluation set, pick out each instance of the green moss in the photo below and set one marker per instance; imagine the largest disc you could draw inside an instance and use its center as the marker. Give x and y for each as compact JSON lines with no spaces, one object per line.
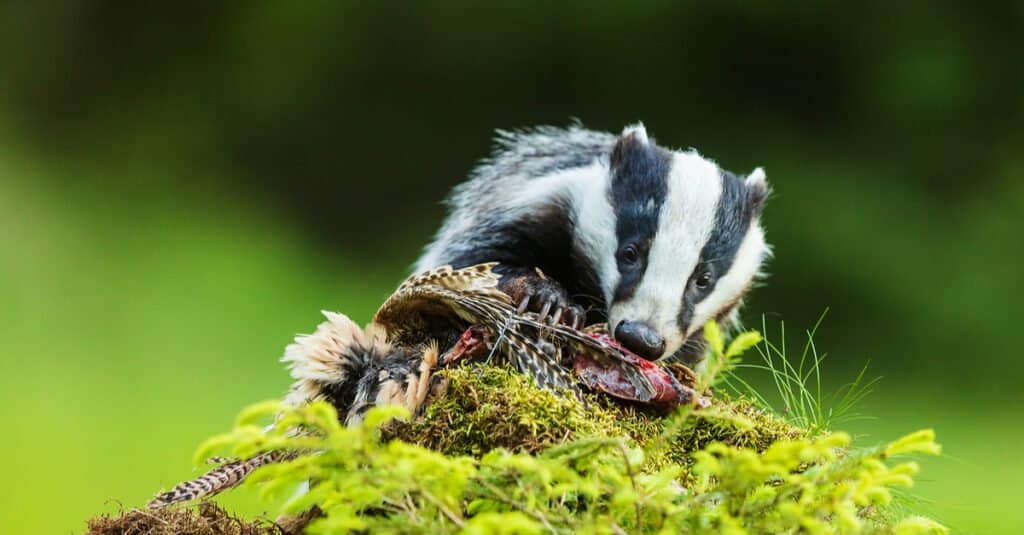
{"x":492,"y":407}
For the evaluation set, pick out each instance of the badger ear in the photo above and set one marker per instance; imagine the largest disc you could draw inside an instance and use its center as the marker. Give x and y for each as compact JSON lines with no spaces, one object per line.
{"x":758,"y":191}
{"x":634,"y":138}
{"x":638,"y":131}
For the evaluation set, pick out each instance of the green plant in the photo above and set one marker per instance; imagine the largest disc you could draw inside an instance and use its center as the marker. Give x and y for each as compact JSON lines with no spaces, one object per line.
{"x":597,"y":480}
{"x":804,"y":399}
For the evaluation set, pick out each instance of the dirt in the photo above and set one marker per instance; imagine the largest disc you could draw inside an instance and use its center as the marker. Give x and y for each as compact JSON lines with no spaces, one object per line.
{"x":204,"y":519}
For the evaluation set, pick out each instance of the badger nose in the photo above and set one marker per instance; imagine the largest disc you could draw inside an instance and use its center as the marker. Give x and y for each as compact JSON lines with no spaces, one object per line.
{"x":641,"y":339}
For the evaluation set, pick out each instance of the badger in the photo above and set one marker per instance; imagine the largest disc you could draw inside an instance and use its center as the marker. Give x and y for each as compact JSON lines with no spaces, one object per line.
{"x":587,"y":226}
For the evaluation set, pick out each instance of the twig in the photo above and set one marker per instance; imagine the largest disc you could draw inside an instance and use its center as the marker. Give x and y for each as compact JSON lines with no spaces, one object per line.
{"x":518,"y":506}
{"x":447,"y":512}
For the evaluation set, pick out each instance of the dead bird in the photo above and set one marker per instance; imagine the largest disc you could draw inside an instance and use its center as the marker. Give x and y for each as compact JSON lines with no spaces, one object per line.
{"x":464,"y":312}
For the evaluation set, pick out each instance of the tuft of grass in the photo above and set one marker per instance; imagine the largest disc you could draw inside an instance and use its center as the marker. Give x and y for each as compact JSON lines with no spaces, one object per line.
{"x":798,"y":383}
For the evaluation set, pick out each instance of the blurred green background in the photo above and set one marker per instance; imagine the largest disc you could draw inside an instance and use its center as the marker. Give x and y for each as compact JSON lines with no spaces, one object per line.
{"x":183,"y":188}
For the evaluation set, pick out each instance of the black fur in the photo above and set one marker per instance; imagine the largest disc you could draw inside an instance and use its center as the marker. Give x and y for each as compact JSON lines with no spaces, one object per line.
{"x":639,"y":186}
{"x":541,"y":239}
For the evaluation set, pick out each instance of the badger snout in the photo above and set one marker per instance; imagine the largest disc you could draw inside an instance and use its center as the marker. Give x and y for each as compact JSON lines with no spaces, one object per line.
{"x":640,"y":338}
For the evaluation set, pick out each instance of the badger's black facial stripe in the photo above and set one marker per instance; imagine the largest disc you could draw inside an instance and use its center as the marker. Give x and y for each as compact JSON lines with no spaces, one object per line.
{"x":735,"y":209}
{"x":638,"y":189}
{"x":732,"y":220}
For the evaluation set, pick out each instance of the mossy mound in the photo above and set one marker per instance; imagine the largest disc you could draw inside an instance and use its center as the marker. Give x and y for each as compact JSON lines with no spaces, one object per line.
{"x":492,"y":407}
{"x":496,"y":454}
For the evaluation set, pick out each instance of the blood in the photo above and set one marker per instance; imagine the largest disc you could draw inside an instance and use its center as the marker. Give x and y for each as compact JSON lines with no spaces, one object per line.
{"x":472,"y":345}
{"x":668,"y":390}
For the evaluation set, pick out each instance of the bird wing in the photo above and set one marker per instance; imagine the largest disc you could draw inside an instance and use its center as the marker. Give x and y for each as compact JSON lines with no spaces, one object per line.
{"x":439,"y":297}
{"x":470,"y":296}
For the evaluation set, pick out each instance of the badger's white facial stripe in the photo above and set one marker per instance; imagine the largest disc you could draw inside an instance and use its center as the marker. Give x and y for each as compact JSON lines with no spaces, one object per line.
{"x":686,"y":220}
{"x":735,"y":282}
{"x":594,"y":219}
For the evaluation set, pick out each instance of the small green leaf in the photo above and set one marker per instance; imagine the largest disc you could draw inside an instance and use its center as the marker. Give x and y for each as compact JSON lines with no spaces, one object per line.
{"x":212,"y":445}
{"x":922,"y":441}
{"x":919,"y":525}
{"x":379,"y":416}
{"x":742,"y":343}
{"x":257,"y":411}
{"x":713,"y":334}
{"x":501,"y":523}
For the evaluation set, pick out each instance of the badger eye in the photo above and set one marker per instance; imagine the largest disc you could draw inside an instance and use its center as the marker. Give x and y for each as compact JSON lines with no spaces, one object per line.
{"x":703,"y":281}
{"x":629,"y":254}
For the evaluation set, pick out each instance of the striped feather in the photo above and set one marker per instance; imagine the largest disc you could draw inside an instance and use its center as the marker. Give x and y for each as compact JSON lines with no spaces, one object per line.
{"x":224,"y":477}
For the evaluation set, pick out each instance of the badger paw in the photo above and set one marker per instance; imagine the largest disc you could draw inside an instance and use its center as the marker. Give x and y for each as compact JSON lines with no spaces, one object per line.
{"x":533,"y":291}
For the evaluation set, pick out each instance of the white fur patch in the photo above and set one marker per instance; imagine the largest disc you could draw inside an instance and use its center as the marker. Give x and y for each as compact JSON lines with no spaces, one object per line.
{"x":687,"y":219}
{"x":594,"y":218}
{"x":561,"y":186}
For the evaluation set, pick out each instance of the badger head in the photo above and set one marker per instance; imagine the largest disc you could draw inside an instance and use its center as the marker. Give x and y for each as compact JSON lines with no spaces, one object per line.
{"x":675,"y":241}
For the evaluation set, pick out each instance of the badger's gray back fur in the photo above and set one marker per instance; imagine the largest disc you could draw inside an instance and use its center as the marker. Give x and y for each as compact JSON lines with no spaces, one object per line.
{"x":571,"y":200}
{"x":540,"y":151}
{"x":519,"y":157}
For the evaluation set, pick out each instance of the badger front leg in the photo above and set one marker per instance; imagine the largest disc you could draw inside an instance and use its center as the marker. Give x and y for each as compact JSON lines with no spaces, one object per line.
{"x":531,"y":290}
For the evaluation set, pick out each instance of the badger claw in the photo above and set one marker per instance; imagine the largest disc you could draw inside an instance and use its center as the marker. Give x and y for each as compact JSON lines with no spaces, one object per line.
{"x":532,"y":291}
{"x":544,"y":309}
{"x":523,"y":304}
{"x":576,"y":317}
